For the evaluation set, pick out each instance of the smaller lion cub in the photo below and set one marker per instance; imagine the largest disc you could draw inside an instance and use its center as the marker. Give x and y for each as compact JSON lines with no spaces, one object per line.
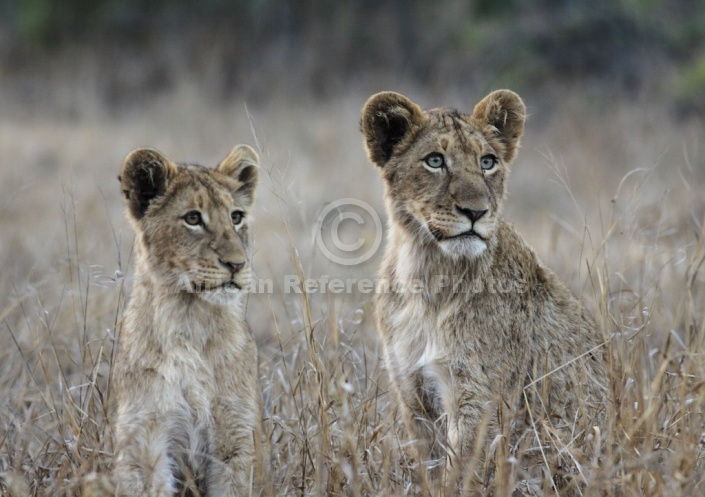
{"x":189,"y":407}
{"x":493,"y":344}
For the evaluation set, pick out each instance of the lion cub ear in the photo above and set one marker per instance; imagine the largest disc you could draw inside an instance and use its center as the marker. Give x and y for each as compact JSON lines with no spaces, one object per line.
{"x":505,"y":112}
{"x":242,"y":164}
{"x":387,"y":119}
{"x":144,"y":176}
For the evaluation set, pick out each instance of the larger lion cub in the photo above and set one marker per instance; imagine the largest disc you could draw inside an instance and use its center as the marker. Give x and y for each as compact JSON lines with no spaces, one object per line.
{"x":188,"y":403}
{"x":490,"y":339}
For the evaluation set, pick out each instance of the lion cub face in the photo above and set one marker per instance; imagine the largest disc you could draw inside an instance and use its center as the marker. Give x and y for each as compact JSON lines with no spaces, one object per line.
{"x":192,"y":221}
{"x":445,"y":172}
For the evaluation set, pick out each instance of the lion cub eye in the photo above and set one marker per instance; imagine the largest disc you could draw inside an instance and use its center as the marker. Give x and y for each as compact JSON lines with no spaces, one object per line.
{"x":435,"y":160}
{"x":193,"y":218}
{"x":237,"y":217}
{"x":487,"y":162}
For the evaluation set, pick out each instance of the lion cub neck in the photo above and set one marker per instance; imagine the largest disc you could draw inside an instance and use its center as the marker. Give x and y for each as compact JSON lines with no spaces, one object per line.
{"x":408,"y":261}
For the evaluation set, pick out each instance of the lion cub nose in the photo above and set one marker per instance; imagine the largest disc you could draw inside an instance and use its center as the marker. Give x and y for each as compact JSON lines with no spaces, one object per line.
{"x":474,"y":216}
{"x":234,"y":267}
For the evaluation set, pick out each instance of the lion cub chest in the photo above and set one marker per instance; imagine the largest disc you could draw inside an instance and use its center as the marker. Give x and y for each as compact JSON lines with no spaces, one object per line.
{"x":190,"y":380}
{"x":413,"y":344}
{"x":417,"y":354}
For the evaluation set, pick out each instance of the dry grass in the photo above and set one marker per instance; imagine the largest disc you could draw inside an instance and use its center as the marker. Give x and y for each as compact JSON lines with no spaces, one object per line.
{"x":610,"y":195}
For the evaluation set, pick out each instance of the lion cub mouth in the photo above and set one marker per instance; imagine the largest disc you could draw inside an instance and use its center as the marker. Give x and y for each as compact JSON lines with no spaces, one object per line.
{"x":442,"y":237}
{"x":229,"y":285}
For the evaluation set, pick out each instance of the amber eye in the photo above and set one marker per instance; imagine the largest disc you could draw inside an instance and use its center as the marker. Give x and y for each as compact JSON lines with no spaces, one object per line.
{"x":193,"y":218}
{"x":435,"y":160}
{"x":488,"y":162}
{"x":237,"y":217}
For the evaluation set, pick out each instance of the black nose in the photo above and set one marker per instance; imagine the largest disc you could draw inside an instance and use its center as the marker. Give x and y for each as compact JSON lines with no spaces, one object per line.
{"x":234,"y":267}
{"x":472,"y":215}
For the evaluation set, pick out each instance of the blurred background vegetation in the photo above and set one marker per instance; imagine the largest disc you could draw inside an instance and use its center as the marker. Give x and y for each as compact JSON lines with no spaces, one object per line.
{"x":609,"y":189}
{"x":251,"y":49}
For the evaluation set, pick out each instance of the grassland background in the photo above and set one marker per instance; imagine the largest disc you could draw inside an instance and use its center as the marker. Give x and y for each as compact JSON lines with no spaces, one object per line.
{"x":608,"y":188}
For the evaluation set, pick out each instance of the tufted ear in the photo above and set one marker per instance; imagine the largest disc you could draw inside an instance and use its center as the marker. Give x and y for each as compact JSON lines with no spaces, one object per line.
{"x":242,"y":164}
{"x":505,"y":112}
{"x":144,"y":176}
{"x":388,"y":118}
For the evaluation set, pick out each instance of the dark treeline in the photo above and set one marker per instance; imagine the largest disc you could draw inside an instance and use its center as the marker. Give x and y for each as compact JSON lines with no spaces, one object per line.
{"x":319,"y":43}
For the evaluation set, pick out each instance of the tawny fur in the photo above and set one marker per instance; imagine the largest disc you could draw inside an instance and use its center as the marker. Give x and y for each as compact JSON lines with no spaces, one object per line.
{"x":472,"y":324}
{"x":189,"y":408}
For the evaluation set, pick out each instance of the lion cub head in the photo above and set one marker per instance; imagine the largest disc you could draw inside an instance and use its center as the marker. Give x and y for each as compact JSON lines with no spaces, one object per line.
{"x":191,"y":221}
{"x":445,"y":172}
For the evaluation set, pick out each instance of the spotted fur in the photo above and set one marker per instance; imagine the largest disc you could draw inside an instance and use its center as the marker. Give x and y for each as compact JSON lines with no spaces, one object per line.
{"x":492,"y":327}
{"x":188,"y":403}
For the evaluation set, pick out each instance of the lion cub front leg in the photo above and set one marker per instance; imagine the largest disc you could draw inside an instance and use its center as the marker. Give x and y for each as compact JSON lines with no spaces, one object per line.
{"x":237,"y":431}
{"x":233,"y":471}
{"x":419,"y":407}
{"x":143,"y":465}
{"x":451,"y":416}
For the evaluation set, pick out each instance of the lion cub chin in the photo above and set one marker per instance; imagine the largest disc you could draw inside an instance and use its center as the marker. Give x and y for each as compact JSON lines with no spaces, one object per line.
{"x":494,"y":344}
{"x":189,"y":407}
